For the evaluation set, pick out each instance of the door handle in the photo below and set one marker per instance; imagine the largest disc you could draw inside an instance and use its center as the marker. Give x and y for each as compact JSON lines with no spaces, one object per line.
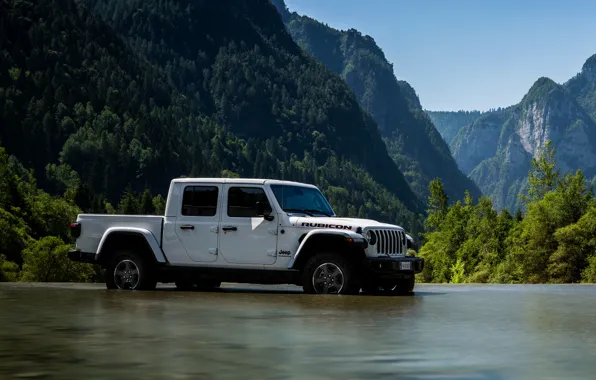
{"x":230,"y":228}
{"x":187,"y":227}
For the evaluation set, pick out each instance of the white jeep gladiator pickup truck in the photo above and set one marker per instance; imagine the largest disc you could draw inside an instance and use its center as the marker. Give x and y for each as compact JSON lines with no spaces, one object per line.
{"x":247,"y":231}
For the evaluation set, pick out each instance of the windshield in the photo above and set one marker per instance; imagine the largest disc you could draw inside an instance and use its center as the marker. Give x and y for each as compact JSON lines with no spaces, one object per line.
{"x":307,"y":200}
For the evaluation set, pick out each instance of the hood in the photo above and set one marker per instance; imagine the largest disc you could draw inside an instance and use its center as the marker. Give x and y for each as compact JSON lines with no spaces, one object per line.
{"x":337,"y":223}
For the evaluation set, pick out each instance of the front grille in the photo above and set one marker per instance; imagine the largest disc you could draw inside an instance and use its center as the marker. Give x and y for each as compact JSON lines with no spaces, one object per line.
{"x":389,"y":242}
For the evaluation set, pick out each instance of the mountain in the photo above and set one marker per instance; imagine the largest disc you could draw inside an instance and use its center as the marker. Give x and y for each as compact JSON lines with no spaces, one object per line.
{"x":102,"y":98}
{"x":448,"y":123}
{"x":413,"y":141}
{"x":496,"y":149}
{"x":583,"y":86}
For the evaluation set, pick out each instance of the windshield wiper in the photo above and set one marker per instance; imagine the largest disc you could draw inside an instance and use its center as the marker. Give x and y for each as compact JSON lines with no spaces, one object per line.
{"x":306,"y":211}
{"x":319,"y":211}
{"x":298,"y":210}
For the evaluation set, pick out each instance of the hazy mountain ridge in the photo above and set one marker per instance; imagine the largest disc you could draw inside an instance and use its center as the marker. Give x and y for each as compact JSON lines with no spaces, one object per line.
{"x":449,"y":123}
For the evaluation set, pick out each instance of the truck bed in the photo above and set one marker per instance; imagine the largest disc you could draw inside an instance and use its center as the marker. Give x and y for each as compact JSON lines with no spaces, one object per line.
{"x":93,"y":227}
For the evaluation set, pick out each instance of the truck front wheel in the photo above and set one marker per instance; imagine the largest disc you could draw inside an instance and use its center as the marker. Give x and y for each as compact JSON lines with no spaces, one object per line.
{"x":404,"y":286}
{"x":130,"y":271}
{"x":401,"y":287}
{"x":329,"y":273}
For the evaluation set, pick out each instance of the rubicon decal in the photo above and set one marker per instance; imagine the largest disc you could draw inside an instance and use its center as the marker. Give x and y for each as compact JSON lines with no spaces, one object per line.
{"x":325,"y":225}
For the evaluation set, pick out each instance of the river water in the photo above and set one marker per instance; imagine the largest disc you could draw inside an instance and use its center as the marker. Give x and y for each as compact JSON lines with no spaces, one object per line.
{"x":68,"y":331}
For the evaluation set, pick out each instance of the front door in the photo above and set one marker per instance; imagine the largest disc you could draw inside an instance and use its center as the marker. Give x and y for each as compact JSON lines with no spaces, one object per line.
{"x":198,"y":221}
{"x":245,"y":237}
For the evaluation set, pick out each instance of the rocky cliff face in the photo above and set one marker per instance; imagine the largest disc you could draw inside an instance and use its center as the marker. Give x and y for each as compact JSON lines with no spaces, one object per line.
{"x":496,"y":150}
{"x":557,"y":116}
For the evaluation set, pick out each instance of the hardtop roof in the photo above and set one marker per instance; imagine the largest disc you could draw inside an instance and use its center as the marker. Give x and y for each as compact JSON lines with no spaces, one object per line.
{"x":252,"y":181}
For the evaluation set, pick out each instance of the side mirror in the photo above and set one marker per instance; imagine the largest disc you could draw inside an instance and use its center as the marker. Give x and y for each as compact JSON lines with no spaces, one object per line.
{"x":411,"y":244}
{"x":264,"y":209}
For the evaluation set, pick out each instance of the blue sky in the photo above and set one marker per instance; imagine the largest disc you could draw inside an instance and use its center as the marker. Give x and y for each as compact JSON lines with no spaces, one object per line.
{"x":466,"y":54}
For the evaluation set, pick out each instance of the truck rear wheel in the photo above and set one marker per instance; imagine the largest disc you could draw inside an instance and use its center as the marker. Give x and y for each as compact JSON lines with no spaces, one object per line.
{"x":130,"y":271}
{"x":329,"y":273}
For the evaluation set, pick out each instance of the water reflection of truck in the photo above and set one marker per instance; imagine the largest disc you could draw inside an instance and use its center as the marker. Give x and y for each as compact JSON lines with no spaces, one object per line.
{"x":247,"y":231}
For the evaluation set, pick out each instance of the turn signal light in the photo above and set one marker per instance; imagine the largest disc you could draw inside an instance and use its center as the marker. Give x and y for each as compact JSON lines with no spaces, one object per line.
{"x":75,"y":229}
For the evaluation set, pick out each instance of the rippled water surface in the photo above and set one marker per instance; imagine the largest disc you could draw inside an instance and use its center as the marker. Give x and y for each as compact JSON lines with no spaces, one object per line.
{"x":65,"y":331}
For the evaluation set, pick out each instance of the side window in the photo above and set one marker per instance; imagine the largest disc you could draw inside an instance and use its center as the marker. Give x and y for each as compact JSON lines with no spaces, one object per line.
{"x":242,"y":201}
{"x":200,"y":201}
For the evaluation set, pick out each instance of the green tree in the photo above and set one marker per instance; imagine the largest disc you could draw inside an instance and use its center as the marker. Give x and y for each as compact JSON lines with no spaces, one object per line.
{"x":129,"y":204}
{"x":544,"y":176}
{"x":437,"y":205}
{"x":46,"y":261}
{"x":146,"y":206}
{"x":9,"y":271}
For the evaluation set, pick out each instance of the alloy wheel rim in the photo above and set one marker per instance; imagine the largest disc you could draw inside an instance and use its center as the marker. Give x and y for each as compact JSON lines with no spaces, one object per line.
{"x":328,"y":278}
{"x":126,"y":275}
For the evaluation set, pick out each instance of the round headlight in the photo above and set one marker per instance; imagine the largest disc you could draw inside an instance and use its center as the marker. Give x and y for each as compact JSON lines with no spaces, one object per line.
{"x":370,"y":237}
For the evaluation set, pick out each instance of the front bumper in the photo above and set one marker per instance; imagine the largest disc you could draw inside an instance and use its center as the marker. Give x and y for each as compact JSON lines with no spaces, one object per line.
{"x":82,"y":257}
{"x":393,"y":268}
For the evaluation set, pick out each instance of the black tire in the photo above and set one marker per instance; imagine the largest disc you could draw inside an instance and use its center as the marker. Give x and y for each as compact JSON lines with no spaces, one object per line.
{"x":139,"y":273}
{"x":400,"y":287}
{"x":184,"y":285}
{"x":207,"y":285}
{"x":379,"y":289}
{"x":405,"y":286}
{"x":333,"y":263}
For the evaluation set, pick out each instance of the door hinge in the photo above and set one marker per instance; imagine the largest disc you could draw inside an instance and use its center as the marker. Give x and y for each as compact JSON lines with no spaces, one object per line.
{"x":213,"y":251}
{"x":214,"y":229}
{"x":271,"y":252}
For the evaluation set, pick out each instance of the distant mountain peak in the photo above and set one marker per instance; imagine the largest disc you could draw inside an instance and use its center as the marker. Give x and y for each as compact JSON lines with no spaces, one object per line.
{"x":354,"y":39}
{"x":542,"y":89}
{"x":355,"y":32}
{"x":582,"y":86}
{"x":543,"y":82}
{"x":590,"y":65}
{"x":410,"y":94}
{"x":282,"y":9}
{"x":279,"y":4}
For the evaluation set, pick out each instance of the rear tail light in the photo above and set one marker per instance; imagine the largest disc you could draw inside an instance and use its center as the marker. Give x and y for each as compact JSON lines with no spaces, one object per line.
{"x":75,"y":229}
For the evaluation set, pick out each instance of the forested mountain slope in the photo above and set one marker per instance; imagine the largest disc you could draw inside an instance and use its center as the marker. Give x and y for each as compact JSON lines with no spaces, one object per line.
{"x":97,"y":96}
{"x":413,"y":141}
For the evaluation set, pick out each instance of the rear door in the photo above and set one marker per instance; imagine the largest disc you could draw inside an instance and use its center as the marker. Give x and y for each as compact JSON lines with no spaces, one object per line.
{"x":198,"y":221}
{"x":245,"y":237}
